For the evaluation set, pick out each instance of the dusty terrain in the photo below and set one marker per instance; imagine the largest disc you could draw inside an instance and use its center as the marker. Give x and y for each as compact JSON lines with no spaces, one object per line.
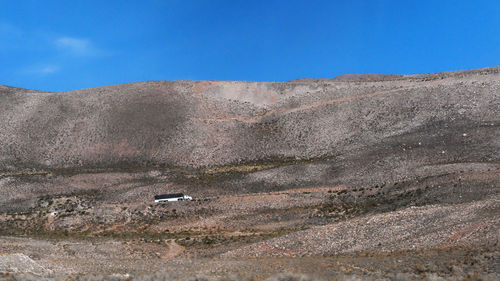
{"x":361,"y":176}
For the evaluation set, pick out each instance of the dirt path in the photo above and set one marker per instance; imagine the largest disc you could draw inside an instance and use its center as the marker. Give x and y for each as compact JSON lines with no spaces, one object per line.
{"x":174,"y":250}
{"x":284,"y":110}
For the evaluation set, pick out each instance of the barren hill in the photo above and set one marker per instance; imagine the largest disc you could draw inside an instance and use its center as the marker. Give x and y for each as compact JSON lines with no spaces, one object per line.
{"x":326,"y":150}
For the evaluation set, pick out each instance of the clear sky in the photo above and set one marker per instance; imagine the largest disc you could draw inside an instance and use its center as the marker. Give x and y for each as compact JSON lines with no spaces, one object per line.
{"x":64,"y":45}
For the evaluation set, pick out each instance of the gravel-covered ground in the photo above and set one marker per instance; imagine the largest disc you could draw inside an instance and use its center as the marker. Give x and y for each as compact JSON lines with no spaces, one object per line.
{"x":354,"y":178}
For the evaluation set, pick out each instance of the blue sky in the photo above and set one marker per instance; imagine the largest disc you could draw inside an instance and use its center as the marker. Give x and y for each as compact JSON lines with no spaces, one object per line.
{"x":65,"y":45}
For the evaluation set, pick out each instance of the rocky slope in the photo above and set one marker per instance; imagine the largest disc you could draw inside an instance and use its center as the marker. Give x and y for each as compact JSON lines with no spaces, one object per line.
{"x":313,"y":167}
{"x":299,"y":133}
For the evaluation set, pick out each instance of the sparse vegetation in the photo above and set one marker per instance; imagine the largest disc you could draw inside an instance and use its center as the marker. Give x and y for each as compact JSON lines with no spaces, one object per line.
{"x":346,"y":179}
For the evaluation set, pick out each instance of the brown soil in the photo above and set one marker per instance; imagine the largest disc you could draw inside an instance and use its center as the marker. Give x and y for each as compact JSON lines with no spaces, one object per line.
{"x":361,"y":177}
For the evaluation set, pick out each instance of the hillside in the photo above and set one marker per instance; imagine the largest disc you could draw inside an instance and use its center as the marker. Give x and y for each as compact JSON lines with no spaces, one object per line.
{"x":274,"y":164}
